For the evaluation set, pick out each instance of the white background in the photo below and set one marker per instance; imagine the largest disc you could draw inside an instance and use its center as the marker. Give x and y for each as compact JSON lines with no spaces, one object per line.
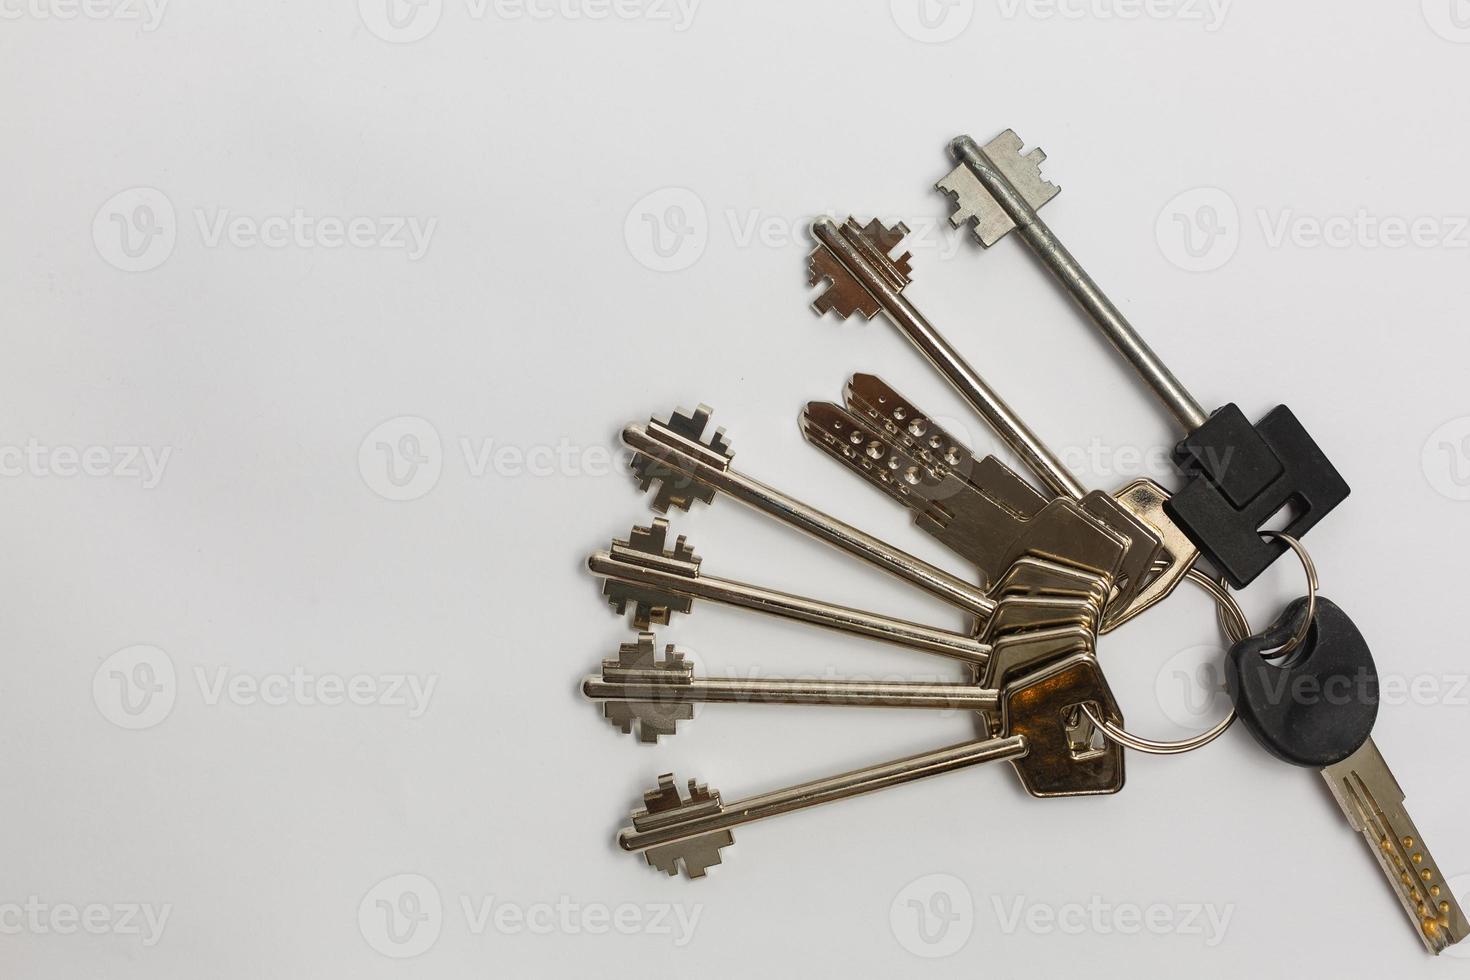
{"x":540,"y":317}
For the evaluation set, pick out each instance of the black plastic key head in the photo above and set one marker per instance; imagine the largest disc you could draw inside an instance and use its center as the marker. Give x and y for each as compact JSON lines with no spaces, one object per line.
{"x":1317,"y":707}
{"x":1240,"y":476}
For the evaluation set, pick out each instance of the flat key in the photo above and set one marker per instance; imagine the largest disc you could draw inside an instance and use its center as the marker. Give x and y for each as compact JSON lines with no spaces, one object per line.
{"x":862,"y":277}
{"x":1042,"y":734}
{"x":1240,"y":476}
{"x":1316,"y":708}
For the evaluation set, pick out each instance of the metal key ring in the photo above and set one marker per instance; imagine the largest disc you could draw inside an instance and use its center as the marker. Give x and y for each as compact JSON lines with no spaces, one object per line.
{"x":1310,"y":567}
{"x":1236,"y":627}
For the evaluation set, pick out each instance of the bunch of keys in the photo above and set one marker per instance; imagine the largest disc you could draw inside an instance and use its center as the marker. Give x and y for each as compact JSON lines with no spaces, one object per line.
{"x":1049,"y":568}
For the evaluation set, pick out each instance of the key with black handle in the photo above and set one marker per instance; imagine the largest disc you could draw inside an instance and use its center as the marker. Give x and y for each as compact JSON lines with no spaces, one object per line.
{"x":1240,"y":475}
{"x":1316,"y":708}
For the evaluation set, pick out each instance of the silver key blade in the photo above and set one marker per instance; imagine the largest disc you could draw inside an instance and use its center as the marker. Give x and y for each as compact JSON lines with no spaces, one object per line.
{"x":973,"y":203}
{"x":1373,"y":803}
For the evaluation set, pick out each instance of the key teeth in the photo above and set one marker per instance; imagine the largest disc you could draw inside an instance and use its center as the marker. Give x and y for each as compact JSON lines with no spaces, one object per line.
{"x":697,"y":855}
{"x":973,"y":203}
{"x":653,"y":718}
{"x":844,"y":294}
{"x":679,"y":489}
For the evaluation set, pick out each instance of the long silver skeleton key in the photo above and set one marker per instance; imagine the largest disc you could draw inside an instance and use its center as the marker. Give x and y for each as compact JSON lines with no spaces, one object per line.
{"x":638,"y":688}
{"x":1042,"y":733}
{"x":864,"y":278}
{"x":1238,"y":476}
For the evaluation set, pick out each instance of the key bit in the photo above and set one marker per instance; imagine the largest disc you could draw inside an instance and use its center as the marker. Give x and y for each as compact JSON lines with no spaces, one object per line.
{"x":637,"y":663}
{"x":1239,"y":476}
{"x":975,"y":204}
{"x":645,"y":547}
{"x":696,"y":854}
{"x":686,"y":432}
{"x":846,"y":295}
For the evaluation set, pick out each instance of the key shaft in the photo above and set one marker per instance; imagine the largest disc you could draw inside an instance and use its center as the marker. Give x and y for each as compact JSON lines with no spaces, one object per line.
{"x":1049,"y":249}
{"x":682,"y":827}
{"x":773,"y":690}
{"x":948,"y":361}
{"x":702,"y":466}
{"x":788,"y":606}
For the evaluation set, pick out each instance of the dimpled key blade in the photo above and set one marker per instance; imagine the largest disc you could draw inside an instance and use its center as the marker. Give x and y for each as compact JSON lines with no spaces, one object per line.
{"x":1316,"y":708}
{"x":1370,"y":797}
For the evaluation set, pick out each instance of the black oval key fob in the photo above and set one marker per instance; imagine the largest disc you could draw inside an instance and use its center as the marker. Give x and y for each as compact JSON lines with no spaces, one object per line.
{"x":1316,"y":707}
